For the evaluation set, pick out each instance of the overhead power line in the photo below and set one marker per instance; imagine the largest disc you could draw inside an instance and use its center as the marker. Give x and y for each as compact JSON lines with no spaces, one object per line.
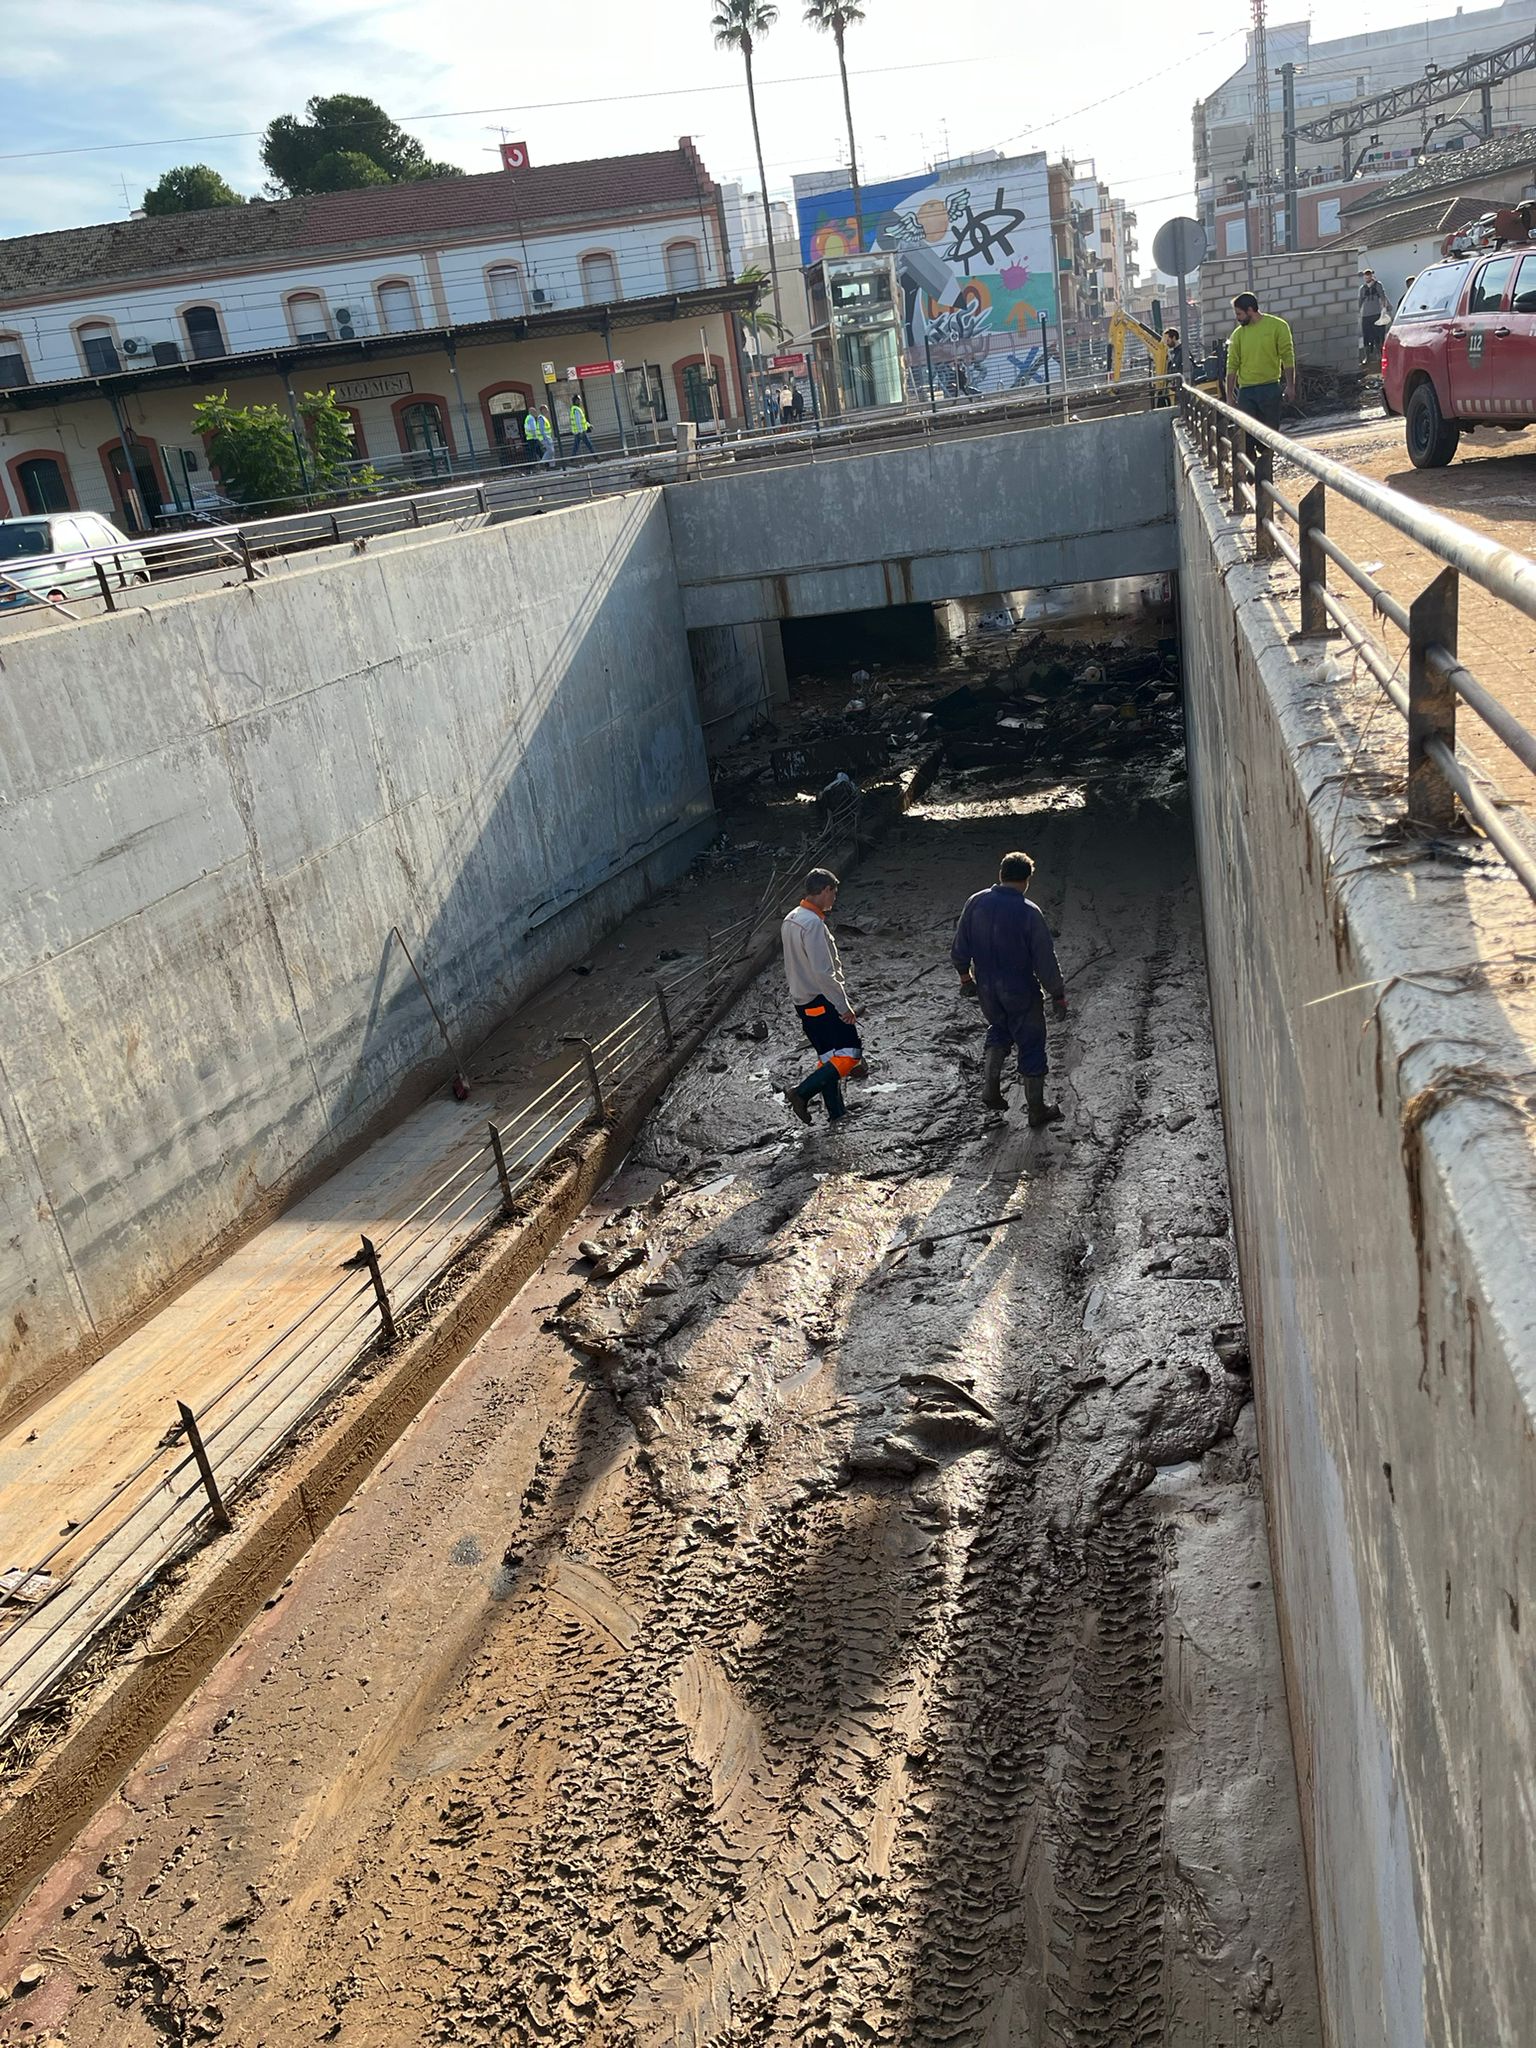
{"x":480,"y":113}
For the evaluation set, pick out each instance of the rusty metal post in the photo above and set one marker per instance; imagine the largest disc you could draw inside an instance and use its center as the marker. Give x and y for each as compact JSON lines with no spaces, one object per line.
{"x":1431,"y":702}
{"x":1314,"y":563}
{"x":370,"y":1259}
{"x":246,"y":557}
{"x":335,"y":528}
{"x":1235,"y":461}
{"x":480,"y":494}
{"x":669,"y":1036}
{"x":415,"y":511}
{"x":106,"y":586}
{"x":1264,"y":504}
{"x":594,"y":1079}
{"x":499,"y":1155}
{"x":205,"y":1469}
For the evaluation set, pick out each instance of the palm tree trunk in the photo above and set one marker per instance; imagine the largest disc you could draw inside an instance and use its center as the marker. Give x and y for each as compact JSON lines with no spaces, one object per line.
{"x":762,"y":179}
{"x":853,"y":161}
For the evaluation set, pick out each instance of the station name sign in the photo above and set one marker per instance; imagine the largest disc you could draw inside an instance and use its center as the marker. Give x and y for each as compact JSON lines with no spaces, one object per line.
{"x":353,"y":389}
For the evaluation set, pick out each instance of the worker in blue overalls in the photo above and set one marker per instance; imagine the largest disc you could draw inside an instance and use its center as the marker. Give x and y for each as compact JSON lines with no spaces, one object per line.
{"x":1003,"y":953}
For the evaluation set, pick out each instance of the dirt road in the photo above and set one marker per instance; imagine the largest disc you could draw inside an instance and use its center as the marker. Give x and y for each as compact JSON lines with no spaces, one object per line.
{"x":838,"y":1616}
{"x":1491,"y":487}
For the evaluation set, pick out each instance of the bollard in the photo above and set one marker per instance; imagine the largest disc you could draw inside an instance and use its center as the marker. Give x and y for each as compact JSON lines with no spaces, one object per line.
{"x":669,"y":1037}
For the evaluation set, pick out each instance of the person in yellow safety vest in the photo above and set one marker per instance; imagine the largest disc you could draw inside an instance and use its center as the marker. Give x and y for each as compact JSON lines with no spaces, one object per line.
{"x":581,"y":429}
{"x":532,"y":445}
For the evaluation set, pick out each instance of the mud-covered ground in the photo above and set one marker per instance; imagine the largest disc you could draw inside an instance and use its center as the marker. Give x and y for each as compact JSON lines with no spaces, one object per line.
{"x":839,"y":1614}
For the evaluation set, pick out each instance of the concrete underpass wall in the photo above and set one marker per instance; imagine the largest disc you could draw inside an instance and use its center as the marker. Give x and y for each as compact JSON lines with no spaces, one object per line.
{"x":739,"y":671}
{"x":1382,"y":1174}
{"x":959,"y":517}
{"x":212,"y":812}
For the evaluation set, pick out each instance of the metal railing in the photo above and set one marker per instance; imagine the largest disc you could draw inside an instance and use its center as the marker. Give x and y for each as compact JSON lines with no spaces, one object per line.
{"x":111,"y":575}
{"x":1437,"y":679}
{"x":209,"y":1456}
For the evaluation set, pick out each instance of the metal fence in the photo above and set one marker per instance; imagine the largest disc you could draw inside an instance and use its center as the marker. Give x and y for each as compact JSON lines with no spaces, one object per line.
{"x":1438,"y":682}
{"x":111,"y":577}
{"x":209,"y":1456}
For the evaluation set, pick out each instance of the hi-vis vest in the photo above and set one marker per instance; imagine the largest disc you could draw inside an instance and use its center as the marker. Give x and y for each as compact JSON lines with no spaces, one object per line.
{"x":530,"y":426}
{"x":578,"y":420}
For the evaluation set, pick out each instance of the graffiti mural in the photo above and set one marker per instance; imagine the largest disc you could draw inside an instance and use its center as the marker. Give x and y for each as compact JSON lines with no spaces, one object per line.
{"x":975,"y":264}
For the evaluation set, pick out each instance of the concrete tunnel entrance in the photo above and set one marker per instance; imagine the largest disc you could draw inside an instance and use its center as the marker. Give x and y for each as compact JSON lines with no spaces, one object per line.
{"x":881,"y":1644}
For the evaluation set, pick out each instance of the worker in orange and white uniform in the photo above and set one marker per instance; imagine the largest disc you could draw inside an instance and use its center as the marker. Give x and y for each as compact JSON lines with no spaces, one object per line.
{"x":820,"y":997}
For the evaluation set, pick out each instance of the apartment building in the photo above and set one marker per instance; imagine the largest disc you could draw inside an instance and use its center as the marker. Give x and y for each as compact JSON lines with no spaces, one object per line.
{"x":438,"y":312}
{"x":1332,"y":73}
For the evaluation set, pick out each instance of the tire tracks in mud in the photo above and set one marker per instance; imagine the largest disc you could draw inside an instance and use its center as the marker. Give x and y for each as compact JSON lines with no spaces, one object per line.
{"x":911,"y":1735}
{"x":822,"y":1699}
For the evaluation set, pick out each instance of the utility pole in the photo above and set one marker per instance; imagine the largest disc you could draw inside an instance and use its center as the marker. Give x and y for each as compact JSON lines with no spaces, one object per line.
{"x":1288,"y":122}
{"x":1263,"y":141}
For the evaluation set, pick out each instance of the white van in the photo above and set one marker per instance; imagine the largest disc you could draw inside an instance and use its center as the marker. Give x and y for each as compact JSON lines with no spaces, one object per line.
{"x":34,"y":555}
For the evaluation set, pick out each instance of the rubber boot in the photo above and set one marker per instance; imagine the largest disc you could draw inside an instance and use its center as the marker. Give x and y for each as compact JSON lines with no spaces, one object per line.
{"x":992,"y":1095}
{"x":1041,"y":1112}
{"x":798,"y":1104}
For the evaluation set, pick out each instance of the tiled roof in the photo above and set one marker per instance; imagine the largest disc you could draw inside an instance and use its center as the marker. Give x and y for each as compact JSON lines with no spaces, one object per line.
{"x":1448,"y":169}
{"x":117,"y":251}
{"x":1430,"y":217}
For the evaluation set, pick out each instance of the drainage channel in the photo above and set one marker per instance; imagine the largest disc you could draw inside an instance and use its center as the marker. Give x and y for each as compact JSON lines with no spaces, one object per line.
{"x":830,"y":1605}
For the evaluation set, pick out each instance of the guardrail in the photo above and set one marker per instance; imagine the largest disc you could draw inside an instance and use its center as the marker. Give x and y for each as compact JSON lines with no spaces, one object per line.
{"x":110,"y":574}
{"x":211,"y":1455}
{"x":1438,"y":681}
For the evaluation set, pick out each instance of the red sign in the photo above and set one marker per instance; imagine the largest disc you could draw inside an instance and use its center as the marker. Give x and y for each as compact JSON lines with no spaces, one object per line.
{"x":596,"y":369}
{"x":514,"y":156}
{"x":786,"y":362}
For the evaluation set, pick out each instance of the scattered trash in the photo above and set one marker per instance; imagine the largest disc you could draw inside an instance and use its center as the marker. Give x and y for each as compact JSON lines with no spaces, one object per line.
{"x":25,"y":1588}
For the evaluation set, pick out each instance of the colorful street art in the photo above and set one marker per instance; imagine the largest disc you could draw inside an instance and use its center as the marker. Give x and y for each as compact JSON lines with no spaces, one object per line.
{"x":974,"y":261}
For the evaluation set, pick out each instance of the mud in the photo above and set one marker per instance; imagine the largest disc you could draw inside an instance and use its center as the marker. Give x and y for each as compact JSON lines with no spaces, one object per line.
{"x":829,"y":1613}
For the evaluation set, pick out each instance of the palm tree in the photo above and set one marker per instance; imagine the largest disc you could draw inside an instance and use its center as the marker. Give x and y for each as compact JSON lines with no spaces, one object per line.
{"x":837,"y":15}
{"x":737,"y":25}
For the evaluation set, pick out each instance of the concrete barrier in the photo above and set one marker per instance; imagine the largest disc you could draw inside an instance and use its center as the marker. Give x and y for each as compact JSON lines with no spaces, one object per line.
{"x":211,"y":814}
{"x":960,"y":517}
{"x":1374,"y":1043}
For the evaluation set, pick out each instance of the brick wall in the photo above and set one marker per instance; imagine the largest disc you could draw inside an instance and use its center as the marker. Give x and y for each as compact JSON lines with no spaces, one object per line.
{"x":1314,"y":289}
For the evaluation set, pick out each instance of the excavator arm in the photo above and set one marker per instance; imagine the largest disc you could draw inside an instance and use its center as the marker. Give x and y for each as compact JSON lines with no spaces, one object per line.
{"x":1121,"y":328}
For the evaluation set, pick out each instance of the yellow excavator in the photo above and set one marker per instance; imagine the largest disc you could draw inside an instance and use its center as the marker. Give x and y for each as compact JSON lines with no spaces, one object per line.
{"x":1121,"y":329}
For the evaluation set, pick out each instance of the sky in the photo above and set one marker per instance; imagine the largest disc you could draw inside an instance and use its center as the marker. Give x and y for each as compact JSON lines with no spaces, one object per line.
{"x":96,"y":95}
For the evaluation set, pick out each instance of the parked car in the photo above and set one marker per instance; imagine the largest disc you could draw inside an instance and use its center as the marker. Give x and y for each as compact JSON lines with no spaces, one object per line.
{"x":1460,"y":355}
{"x":36,"y":552}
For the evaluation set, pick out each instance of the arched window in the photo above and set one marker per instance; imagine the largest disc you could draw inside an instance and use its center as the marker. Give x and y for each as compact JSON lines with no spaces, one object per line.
{"x":397,"y":307}
{"x":423,"y":429}
{"x":13,"y":362}
{"x":98,"y":345}
{"x":683,"y":266}
{"x":599,"y":278}
{"x":40,"y":480}
{"x":307,"y":317}
{"x":505,"y":281}
{"x":205,"y":334}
